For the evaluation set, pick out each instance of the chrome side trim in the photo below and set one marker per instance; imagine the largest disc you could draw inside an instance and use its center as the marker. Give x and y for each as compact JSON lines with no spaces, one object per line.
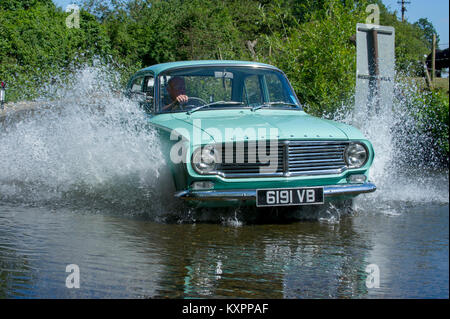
{"x":250,"y":194}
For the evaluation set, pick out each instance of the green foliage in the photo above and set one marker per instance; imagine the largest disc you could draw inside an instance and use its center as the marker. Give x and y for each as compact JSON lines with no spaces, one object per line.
{"x":219,"y":37}
{"x":319,"y":53}
{"x":428,"y":30}
{"x":24,"y":4}
{"x":36,"y":46}
{"x":433,"y":116}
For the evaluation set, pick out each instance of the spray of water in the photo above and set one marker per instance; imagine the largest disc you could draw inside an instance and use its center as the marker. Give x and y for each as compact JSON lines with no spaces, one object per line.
{"x":85,"y":146}
{"x":406,"y":168}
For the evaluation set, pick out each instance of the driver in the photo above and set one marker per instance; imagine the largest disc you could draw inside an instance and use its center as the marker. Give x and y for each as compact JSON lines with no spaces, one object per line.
{"x":177,"y":91}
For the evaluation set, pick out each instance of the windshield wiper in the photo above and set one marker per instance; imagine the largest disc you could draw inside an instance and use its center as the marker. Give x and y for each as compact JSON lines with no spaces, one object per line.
{"x":268,"y":104}
{"x":213,"y":103}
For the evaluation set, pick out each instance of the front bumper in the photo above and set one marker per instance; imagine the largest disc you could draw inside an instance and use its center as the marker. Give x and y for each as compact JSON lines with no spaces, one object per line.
{"x":236,"y":195}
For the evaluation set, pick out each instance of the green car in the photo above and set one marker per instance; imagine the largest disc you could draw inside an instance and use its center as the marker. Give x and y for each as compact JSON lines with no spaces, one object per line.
{"x":234,"y":133}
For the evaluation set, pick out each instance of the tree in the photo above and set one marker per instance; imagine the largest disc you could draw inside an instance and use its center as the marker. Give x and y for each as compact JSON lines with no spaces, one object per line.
{"x":410,"y":43}
{"x":318,"y":57}
{"x":36,"y":46}
{"x":24,"y":4}
{"x":428,"y":31}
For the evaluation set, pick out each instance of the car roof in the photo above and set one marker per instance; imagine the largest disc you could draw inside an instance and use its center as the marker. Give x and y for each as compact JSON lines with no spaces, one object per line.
{"x":158,"y":68}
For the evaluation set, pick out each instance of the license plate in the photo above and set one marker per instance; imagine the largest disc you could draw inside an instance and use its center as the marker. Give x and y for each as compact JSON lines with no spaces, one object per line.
{"x":289,"y":196}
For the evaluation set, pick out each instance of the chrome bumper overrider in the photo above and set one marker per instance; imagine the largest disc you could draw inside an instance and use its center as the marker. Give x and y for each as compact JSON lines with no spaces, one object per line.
{"x":250,"y":194}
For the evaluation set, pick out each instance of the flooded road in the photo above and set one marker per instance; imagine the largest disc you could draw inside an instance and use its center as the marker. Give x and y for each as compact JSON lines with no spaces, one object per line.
{"x":127,"y":257}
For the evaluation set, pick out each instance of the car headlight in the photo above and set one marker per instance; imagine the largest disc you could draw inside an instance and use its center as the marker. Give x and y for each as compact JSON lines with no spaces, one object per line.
{"x":205,"y":159}
{"x":355,"y":155}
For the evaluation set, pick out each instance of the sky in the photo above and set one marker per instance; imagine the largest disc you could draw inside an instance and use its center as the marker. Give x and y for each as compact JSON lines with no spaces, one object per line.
{"x":435,"y":11}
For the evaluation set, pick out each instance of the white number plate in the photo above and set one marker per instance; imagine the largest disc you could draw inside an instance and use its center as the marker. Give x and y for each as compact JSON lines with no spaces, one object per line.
{"x":289,"y":196}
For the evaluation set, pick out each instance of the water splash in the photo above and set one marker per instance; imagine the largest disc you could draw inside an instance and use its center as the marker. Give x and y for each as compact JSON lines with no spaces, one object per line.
{"x":83,"y":144}
{"x":331,"y":215}
{"x":233,"y":221}
{"x":406,"y":168}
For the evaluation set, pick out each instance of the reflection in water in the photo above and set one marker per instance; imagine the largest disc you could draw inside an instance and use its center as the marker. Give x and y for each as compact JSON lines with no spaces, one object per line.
{"x":410,"y":246}
{"x":132,"y":257}
{"x":15,"y":271}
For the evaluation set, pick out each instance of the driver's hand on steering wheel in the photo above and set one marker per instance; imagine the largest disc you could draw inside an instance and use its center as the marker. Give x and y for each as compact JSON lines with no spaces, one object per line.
{"x":177,"y":103}
{"x":182,"y":99}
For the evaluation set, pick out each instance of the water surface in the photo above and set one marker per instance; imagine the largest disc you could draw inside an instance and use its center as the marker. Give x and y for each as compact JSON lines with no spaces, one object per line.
{"x":126,"y":257}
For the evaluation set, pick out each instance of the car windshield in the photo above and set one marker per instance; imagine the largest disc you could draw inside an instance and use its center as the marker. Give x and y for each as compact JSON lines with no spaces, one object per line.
{"x":192,"y":89}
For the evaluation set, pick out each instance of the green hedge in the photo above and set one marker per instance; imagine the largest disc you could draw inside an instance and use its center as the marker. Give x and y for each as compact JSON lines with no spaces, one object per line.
{"x":433,"y":119}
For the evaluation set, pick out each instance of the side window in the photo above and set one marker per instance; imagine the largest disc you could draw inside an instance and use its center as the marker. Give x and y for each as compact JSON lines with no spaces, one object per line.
{"x":136,"y":86}
{"x":252,"y":90}
{"x":149,"y":84}
{"x":164,"y":97}
{"x":275,"y":89}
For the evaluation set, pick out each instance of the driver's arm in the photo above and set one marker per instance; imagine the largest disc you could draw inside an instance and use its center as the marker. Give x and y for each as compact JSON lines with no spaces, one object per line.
{"x":169,"y":106}
{"x":179,"y":100}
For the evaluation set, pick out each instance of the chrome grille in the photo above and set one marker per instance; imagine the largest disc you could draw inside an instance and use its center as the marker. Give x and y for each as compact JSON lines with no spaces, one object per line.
{"x":292,"y":158}
{"x":242,"y":160}
{"x":311,"y":158}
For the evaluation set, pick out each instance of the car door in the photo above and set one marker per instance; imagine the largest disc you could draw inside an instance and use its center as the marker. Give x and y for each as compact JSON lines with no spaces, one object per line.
{"x":141,"y":90}
{"x":148,"y":89}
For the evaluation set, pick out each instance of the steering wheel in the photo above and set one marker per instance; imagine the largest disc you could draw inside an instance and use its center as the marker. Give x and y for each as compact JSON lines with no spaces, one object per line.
{"x":197,"y":102}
